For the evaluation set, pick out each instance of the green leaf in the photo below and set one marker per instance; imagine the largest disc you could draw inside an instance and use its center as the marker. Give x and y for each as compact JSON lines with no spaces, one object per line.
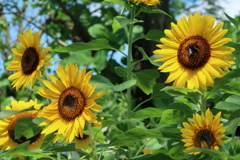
{"x":232,"y":74}
{"x":4,"y":82}
{"x":234,"y":115}
{"x":151,"y":59}
{"x":120,"y":2}
{"x":148,"y":113}
{"x":153,"y":10}
{"x":155,"y":35}
{"x":173,"y":116}
{"x":79,"y":58}
{"x":235,"y":22}
{"x":231,"y":87}
{"x":121,"y":22}
{"x":120,"y":71}
{"x":124,"y":85}
{"x":157,"y":93}
{"x":96,"y":44}
{"x":26,"y":127}
{"x":137,"y":134}
{"x":19,"y":148}
{"x":213,"y":153}
{"x":231,"y":126}
{"x":98,"y":134}
{"x":227,"y":106}
{"x":146,"y":79}
{"x":152,"y":157}
{"x":109,"y":157}
{"x":181,"y":91}
{"x":176,"y":152}
{"x":101,"y":82}
{"x":99,"y":60}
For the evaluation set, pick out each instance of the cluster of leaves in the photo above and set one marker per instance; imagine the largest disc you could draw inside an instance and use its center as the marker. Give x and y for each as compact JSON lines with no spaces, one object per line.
{"x":155,"y":126}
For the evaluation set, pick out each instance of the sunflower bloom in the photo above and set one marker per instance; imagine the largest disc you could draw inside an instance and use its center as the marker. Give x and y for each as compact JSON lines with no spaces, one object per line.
{"x":7,"y":126}
{"x":147,"y":2}
{"x":28,"y":60}
{"x":204,"y":131}
{"x":73,"y":102}
{"x":194,"y":52}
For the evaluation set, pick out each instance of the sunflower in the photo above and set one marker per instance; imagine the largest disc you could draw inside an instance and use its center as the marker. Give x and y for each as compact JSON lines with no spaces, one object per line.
{"x":73,"y":102}
{"x":194,"y":52}
{"x":7,"y":126}
{"x":28,"y":60}
{"x":82,"y":142}
{"x":204,"y":131}
{"x":146,"y":2}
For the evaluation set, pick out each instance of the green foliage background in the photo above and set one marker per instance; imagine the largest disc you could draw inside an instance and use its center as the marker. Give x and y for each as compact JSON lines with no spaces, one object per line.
{"x":89,"y":33}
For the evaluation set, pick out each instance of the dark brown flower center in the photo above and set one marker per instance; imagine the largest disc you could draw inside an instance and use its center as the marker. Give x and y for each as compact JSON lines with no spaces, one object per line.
{"x":194,"y":52}
{"x":206,"y":136}
{"x":71,"y":103}
{"x":11,"y":128}
{"x":30,"y":60}
{"x":85,"y":136}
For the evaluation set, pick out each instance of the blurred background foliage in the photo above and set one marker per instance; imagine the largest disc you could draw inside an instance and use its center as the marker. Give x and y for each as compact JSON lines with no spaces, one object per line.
{"x":64,"y":22}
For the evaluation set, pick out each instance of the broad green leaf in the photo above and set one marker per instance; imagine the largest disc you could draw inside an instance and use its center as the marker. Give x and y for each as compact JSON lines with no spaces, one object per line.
{"x":231,"y":126}
{"x":99,"y":60}
{"x":153,"y":10}
{"x":234,"y":114}
{"x":96,"y":44}
{"x":120,"y":2}
{"x":172,"y":116}
{"x":121,"y":22}
{"x":210,"y":152}
{"x":181,"y":91}
{"x":124,"y":85}
{"x":99,"y":31}
{"x":129,"y":137}
{"x":148,"y":113}
{"x":227,"y":106}
{"x":146,"y":79}
{"x":109,"y":157}
{"x":153,"y":144}
{"x":97,"y":132}
{"x":26,"y":127}
{"x":170,"y":131}
{"x":151,"y":59}
{"x":106,"y":123}
{"x":120,"y":71}
{"x":152,"y":157}
{"x":231,"y":87}
{"x":79,"y":58}
{"x":235,"y":22}
{"x":19,"y":148}
{"x":4,"y":82}
{"x":101,"y":82}
{"x":176,"y":152}
{"x":232,"y":74}
{"x":157,"y":93}
{"x":155,"y":35}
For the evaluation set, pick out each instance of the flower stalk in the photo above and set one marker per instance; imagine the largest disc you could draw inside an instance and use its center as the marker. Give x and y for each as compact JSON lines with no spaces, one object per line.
{"x":94,"y":151}
{"x":129,"y":72}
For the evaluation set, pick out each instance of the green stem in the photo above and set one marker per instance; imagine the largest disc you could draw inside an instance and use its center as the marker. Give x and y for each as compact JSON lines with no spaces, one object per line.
{"x":129,"y":73}
{"x":58,"y":155}
{"x":143,"y":146}
{"x":203,"y":103}
{"x":94,"y":152}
